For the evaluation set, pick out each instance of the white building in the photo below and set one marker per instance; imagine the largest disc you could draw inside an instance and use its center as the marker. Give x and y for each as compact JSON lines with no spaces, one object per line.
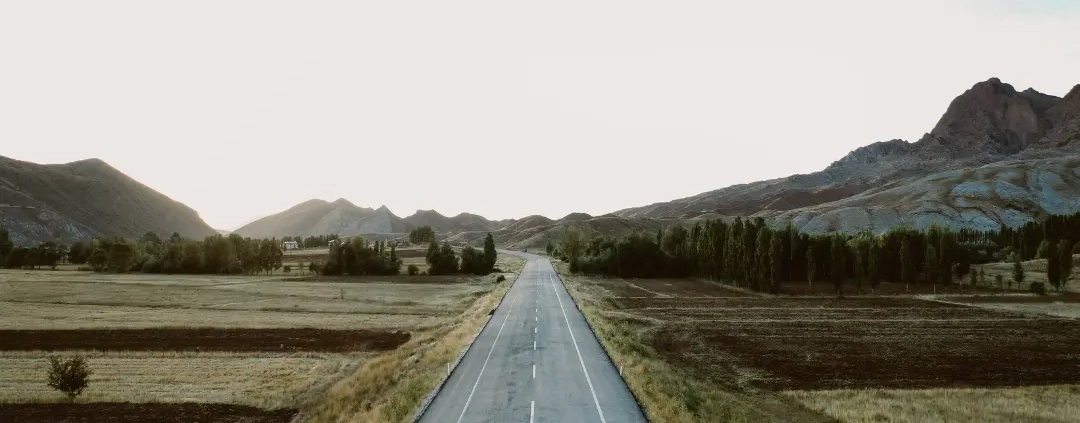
{"x":290,"y":245}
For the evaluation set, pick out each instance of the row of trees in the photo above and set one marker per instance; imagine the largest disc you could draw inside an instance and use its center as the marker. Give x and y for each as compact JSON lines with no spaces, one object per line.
{"x":422,"y":235}
{"x":750,"y":254}
{"x":311,"y":241}
{"x":443,"y":261}
{"x":150,"y":254}
{"x":359,"y":257}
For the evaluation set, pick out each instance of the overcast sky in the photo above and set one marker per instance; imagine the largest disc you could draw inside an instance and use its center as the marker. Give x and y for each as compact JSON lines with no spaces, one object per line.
{"x":240,"y":109}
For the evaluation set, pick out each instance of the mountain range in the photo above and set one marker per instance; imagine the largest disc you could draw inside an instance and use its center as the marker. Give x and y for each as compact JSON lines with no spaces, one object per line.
{"x":996,"y":156}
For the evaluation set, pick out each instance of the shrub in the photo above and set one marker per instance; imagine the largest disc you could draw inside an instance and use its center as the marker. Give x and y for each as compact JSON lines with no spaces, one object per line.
{"x":1038,"y":288}
{"x":69,"y":376}
{"x":313,"y":267}
{"x":500,"y":278}
{"x":496,"y":270}
{"x":287,"y":269}
{"x":413,"y":270}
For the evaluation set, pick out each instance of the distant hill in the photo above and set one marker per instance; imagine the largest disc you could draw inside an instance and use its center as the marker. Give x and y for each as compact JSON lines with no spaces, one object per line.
{"x":319,"y":217}
{"x":463,"y":222}
{"x":996,"y":156}
{"x":84,"y":199}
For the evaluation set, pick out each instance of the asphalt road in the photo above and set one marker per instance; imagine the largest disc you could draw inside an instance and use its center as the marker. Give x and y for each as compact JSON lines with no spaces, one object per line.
{"x":536,"y":361}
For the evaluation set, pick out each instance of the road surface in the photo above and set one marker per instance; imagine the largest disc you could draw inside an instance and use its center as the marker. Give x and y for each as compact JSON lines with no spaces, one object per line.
{"x":535,"y":361}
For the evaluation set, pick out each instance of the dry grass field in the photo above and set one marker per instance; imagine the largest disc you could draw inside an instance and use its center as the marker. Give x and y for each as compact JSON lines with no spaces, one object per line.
{"x":209,"y":345}
{"x":691,"y":354}
{"x":264,"y":380}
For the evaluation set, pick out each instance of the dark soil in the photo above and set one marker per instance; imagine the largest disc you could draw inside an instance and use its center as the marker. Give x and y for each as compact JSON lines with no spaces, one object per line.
{"x":867,"y":343}
{"x":143,"y":413}
{"x":205,"y":339}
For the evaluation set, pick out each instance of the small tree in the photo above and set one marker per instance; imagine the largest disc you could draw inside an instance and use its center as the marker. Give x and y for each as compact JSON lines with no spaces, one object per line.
{"x":413,"y":270}
{"x":1017,"y":272}
{"x":1053,"y":264}
{"x":98,"y":260}
{"x":70,"y":376}
{"x":1066,"y":261}
{"x":973,"y":279}
{"x":982,"y":277}
{"x":1000,"y":279}
{"x":811,"y":269}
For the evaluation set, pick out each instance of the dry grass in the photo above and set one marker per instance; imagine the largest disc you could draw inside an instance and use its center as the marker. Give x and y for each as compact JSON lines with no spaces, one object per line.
{"x":46,"y":300}
{"x":1034,"y":271}
{"x":667,"y":394}
{"x":1049,"y":404}
{"x":64,"y":316}
{"x":389,"y":386}
{"x":267,"y":381}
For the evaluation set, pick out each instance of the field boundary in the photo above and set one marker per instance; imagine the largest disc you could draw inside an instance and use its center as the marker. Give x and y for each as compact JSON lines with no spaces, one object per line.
{"x":598,"y":341}
{"x":453,"y":368}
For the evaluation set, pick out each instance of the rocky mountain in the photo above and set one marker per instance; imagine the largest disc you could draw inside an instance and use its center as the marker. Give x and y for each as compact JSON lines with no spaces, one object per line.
{"x":319,"y":217}
{"x":988,"y":136}
{"x":83,"y":199}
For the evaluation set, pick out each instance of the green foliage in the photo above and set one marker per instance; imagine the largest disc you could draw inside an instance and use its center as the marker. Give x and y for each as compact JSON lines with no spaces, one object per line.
{"x":1065,"y":262}
{"x":1053,"y":264}
{"x":490,"y":255}
{"x":413,"y":270}
{"x":98,"y":260}
{"x":1018,"y":271}
{"x":70,"y":375}
{"x":776,"y":260}
{"x":500,"y":278}
{"x":421,"y":235}
{"x":1038,"y":288}
{"x":357,"y":257}
{"x":572,"y":242}
{"x":472,"y":261}
{"x":441,"y":260}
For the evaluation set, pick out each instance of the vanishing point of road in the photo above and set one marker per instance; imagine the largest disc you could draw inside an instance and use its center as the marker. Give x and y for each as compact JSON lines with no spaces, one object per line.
{"x":535,"y":361}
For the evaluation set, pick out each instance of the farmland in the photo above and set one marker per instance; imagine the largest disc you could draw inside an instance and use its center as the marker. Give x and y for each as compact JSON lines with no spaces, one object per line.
{"x":227,"y":348}
{"x":693,"y":353}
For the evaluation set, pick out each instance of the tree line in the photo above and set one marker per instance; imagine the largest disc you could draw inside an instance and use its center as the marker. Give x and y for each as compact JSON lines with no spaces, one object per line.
{"x":422,"y":235}
{"x":319,"y":241}
{"x":749,"y":254}
{"x":443,"y":261}
{"x":215,"y":254}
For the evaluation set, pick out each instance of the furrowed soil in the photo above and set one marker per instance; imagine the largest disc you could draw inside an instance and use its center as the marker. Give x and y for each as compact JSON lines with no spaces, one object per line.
{"x":693,"y":353}
{"x":204,"y":339}
{"x":144,"y":413}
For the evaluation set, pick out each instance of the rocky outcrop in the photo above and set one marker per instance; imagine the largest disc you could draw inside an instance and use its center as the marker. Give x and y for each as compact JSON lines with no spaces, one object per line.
{"x":987,"y":124}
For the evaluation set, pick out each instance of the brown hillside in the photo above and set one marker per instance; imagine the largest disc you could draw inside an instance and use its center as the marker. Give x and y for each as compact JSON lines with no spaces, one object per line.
{"x":84,"y":199}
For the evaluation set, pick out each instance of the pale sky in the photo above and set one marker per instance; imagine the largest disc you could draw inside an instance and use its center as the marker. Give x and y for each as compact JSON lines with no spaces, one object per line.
{"x":240,"y":109}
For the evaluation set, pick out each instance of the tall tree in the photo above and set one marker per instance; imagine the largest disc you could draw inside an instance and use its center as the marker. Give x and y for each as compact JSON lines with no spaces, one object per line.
{"x":1053,"y":264}
{"x":873,"y":261}
{"x":776,"y":259}
{"x":931,"y":266}
{"x":811,"y":269}
{"x":907,"y":263}
{"x":1066,"y":261}
{"x":1018,"y":272}
{"x":490,"y":255}
{"x":838,"y":257}
{"x":573,"y":242}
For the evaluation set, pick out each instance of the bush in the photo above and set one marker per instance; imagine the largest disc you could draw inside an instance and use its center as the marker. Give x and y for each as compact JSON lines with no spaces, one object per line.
{"x":500,"y":278}
{"x":413,"y":270}
{"x":287,"y":269}
{"x":313,"y":267}
{"x":496,"y":270}
{"x":69,"y":376}
{"x":1038,"y":288}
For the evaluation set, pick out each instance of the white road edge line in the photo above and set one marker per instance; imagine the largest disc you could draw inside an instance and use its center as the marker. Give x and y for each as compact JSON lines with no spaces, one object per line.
{"x":532,"y":410}
{"x":534,"y":345}
{"x":534,"y":371}
{"x":582,"y":360}
{"x":493,"y":343}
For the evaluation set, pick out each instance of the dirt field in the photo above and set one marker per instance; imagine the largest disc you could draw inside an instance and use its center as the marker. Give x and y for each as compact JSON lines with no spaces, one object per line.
{"x":1035,"y":404}
{"x":729,"y":352}
{"x":264,"y":380}
{"x":202,"y":339}
{"x":143,"y":413}
{"x":151,"y":339}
